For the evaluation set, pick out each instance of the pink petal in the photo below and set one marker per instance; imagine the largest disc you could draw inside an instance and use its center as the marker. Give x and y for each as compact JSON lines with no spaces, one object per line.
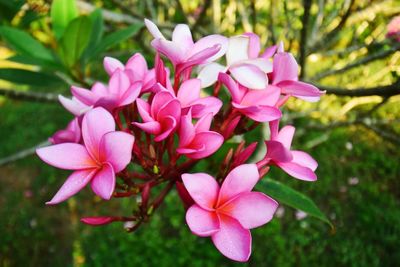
{"x":254,"y":44}
{"x":95,"y":221}
{"x":103,"y":183}
{"x":236,"y":92}
{"x":73,"y":105}
{"x":269,"y":52}
{"x":151,"y":127}
{"x":112,"y":64}
{"x":137,"y":63}
{"x":237,"y":50}
{"x":119,"y":83}
{"x":209,"y":73}
{"x":285,"y":135}
{"x":116,"y":149}
{"x":189,"y":91}
{"x":206,"y":105}
{"x":202,"y":222}
{"x":160,"y":100}
{"x":274,"y":129}
{"x":241,"y":179}
{"x":68,"y":156}
{"x":259,"y":113}
{"x":131,"y":94}
{"x":203,"y":188}
{"x":249,"y":76}
{"x":85,"y":96}
{"x":168,"y":125}
{"x":210,"y":41}
{"x":186,"y":131}
{"x":263,"y":64}
{"x":301,"y":90}
{"x":153,"y":29}
{"x":297,"y":171}
{"x":267,"y":97}
{"x":74,"y":183}
{"x":95,"y":124}
{"x":304,"y":159}
{"x":204,"y":123}
{"x":285,"y":68}
{"x":182,"y":36}
{"x":251,"y":209}
{"x":209,"y":142}
{"x":144,"y":110}
{"x":277,"y":152}
{"x":169,"y":49}
{"x":199,"y":58}
{"x":99,"y":89}
{"x":232,"y":240}
{"x":170,"y":109}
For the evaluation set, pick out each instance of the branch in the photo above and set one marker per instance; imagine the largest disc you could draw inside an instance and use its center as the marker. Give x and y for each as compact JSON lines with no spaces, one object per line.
{"x":385,"y":91}
{"x":303,"y":36}
{"x":22,"y":154}
{"x":365,"y":60}
{"x":29,"y":95}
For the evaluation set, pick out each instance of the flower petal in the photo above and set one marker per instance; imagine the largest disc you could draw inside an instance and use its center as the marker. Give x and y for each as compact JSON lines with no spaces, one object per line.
{"x":203,"y":188}
{"x":259,"y":113}
{"x":210,"y":41}
{"x":209,"y":73}
{"x":209,"y":142}
{"x":236,"y":92}
{"x":251,"y":209}
{"x":151,"y":127}
{"x":241,"y":179}
{"x":182,"y":36}
{"x":96,"y":221}
{"x":204,"y":123}
{"x":137,"y":63}
{"x":285,"y":136}
{"x":237,"y":49}
{"x":116,"y":149}
{"x":144,"y":110}
{"x":186,"y":131}
{"x":131,"y":94}
{"x":153,"y":29}
{"x":254,"y":44}
{"x":103,"y":183}
{"x":85,"y":96}
{"x":189,"y":91}
{"x":297,"y":171}
{"x":95,"y":124}
{"x":112,"y":64}
{"x":169,"y":49}
{"x":119,"y":83}
{"x":67,"y":156}
{"x":263,"y":64}
{"x":249,"y":76}
{"x":304,"y":159}
{"x":202,"y":222}
{"x":278,"y":152}
{"x":301,"y":90}
{"x":285,"y":68}
{"x":74,"y":183}
{"x":73,"y":105}
{"x":232,"y":240}
{"x":206,"y":105}
{"x":168,"y":125}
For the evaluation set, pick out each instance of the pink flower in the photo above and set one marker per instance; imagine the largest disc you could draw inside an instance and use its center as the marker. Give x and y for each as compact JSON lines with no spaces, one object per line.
{"x":227,"y":213}
{"x":198,"y":141}
{"x":295,"y":163}
{"x":258,"y":105}
{"x":136,"y":69}
{"x":285,"y":76}
{"x":120,"y":92}
{"x":105,"y":152}
{"x":182,"y":51}
{"x":243,"y":63}
{"x":393,"y":29}
{"x":72,"y":134}
{"x":162,"y":117}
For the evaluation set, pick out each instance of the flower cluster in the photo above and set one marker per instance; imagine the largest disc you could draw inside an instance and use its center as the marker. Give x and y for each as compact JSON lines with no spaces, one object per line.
{"x":148,"y":127}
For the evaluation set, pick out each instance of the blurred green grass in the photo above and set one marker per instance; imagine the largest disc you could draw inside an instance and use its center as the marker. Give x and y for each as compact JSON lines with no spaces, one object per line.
{"x":366,"y":215}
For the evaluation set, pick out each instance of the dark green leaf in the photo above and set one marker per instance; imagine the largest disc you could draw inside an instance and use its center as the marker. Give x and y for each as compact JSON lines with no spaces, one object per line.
{"x":25,"y":44}
{"x":97,"y":31}
{"x":292,"y":198}
{"x":75,"y":40}
{"x":115,"y":38}
{"x":62,"y":13}
{"x":29,"y":77}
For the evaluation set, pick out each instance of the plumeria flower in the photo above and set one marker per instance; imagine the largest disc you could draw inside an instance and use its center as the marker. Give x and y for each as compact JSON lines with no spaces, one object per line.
{"x":73,"y":105}
{"x":243,"y":63}
{"x":136,"y":69}
{"x":120,"y":92}
{"x":227,"y":213}
{"x":182,"y":51}
{"x":285,"y":76}
{"x":295,"y":163}
{"x":189,"y":97}
{"x":104,"y":153}
{"x":72,"y":134}
{"x":162,"y":117}
{"x":197,"y":141}
{"x":258,"y":105}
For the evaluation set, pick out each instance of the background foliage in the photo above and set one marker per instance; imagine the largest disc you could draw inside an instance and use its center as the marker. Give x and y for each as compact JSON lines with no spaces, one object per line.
{"x":353,"y":131}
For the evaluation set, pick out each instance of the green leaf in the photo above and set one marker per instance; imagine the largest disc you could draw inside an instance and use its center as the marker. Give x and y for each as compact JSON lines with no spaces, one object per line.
{"x":292,"y":198}
{"x":62,"y":13}
{"x":21,"y":76}
{"x":25,"y":44}
{"x":115,"y":38}
{"x":96,"y":18}
{"x":75,"y":40}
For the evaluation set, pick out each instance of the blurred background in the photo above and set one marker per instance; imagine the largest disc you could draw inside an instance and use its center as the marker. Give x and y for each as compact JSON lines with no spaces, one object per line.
{"x":350,"y":48}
